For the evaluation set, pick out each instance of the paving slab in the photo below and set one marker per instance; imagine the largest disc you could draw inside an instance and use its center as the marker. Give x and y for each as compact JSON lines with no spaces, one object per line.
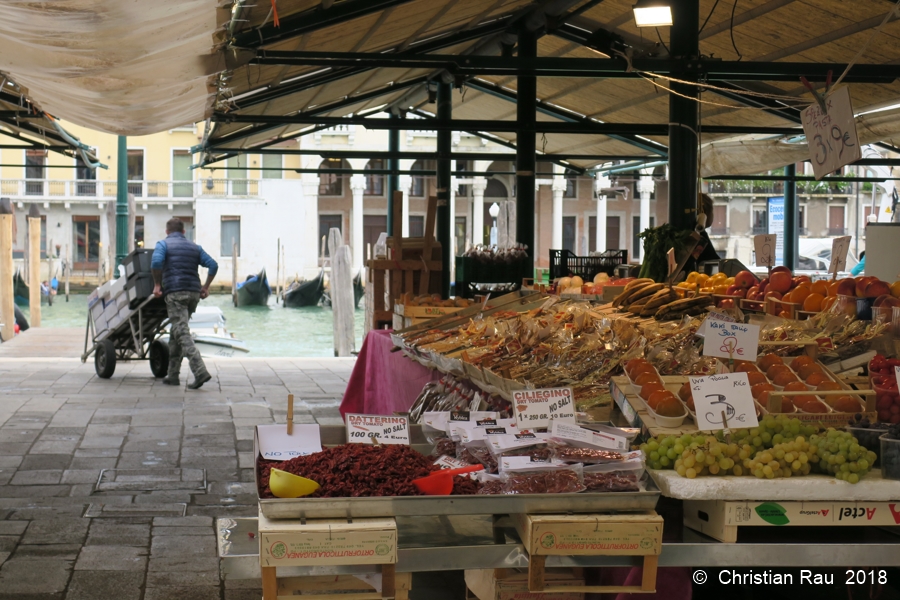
{"x":112,"y":558}
{"x":105,"y":585}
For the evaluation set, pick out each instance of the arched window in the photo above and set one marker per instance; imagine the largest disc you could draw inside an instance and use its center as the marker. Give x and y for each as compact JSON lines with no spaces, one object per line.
{"x":571,"y":184}
{"x":332,"y":184}
{"x":374,"y":183}
{"x":418,"y":181}
{"x":495,"y":189}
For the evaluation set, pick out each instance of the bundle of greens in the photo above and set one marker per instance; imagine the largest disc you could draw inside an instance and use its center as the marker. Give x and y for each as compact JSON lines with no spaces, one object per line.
{"x":657,"y":241}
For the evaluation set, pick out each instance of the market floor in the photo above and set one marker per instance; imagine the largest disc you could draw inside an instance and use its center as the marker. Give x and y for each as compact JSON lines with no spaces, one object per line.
{"x":180,"y":459}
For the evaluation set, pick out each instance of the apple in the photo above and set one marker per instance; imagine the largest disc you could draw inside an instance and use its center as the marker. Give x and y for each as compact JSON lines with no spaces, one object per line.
{"x":876,"y":288}
{"x":846,"y":287}
{"x":753,"y":293}
{"x":774,"y":295}
{"x":745,"y":279}
{"x":736,"y":290}
{"x":763,"y":285}
{"x":859,"y":287}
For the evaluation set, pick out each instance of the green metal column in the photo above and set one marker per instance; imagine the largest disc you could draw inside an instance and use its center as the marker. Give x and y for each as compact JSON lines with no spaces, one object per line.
{"x":122,"y":202}
{"x":791,"y":217}
{"x":393,"y":180}
{"x":444,"y":147}
{"x":525,"y":148}
{"x":683,"y":119}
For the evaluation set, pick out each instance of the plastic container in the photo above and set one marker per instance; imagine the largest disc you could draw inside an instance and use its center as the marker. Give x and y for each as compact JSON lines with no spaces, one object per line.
{"x":868,"y":438}
{"x":890,"y":457}
{"x":669,"y":421}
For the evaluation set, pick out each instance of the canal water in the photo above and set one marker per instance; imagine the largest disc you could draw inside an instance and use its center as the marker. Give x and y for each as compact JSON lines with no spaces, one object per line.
{"x":268,"y":330}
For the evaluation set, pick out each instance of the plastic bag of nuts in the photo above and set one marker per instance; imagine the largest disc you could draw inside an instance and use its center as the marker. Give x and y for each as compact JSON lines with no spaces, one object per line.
{"x":571,"y":453}
{"x":624,"y":476}
{"x":552,"y":480}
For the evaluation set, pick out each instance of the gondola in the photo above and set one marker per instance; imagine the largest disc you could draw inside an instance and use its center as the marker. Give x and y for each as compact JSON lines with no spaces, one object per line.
{"x":20,"y":289}
{"x":304,"y":293}
{"x":358,"y":292}
{"x":254,"y":291}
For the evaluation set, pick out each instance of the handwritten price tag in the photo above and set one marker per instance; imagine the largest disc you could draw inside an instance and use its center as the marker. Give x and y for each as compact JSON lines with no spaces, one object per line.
{"x":765,"y":249}
{"x":728,"y":393}
{"x":536,"y":408}
{"x":276,"y":444}
{"x":362,"y":429}
{"x":831,"y":137}
{"x":731,"y":340}
{"x":670,"y":258}
{"x":839,"y":248}
{"x":897,"y":375}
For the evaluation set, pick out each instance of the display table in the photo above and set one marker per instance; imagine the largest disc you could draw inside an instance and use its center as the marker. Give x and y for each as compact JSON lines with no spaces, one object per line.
{"x":384,"y":382}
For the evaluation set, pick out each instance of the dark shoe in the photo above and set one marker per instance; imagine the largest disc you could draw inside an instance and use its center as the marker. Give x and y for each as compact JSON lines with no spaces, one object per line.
{"x":199,"y":381}
{"x":168,"y":381}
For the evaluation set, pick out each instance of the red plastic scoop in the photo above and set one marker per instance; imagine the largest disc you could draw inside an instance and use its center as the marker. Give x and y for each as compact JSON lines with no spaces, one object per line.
{"x":440,"y":483}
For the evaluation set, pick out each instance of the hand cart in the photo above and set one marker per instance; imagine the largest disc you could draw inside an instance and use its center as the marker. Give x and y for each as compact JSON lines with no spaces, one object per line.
{"x":135,"y":338}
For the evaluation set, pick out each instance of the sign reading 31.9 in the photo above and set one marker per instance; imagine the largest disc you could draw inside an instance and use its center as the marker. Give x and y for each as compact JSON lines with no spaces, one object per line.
{"x":831,"y":135}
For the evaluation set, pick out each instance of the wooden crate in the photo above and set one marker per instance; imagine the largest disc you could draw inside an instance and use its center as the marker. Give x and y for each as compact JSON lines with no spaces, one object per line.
{"x":721,"y":519}
{"x":637,"y":534}
{"x":512,"y":584}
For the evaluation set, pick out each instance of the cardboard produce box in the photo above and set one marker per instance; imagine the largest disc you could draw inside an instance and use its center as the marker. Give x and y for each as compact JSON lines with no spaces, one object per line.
{"x":317,"y":542}
{"x":636,"y":534}
{"x":501,"y":584}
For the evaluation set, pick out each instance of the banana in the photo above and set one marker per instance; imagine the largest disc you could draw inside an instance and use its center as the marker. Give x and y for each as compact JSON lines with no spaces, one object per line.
{"x":637,"y":307}
{"x":659,"y":299}
{"x":645,"y":291}
{"x":637,"y":282}
{"x":680,"y":307}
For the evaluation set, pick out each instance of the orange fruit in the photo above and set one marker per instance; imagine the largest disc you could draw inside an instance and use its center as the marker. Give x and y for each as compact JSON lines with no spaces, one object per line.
{"x":650,"y":387}
{"x":789,"y":298}
{"x":819,"y":287}
{"x":800,"y":293}
{"x":828,"y":302}
{"x":810,"y":405}
{"x":895,"y":289}
{"x":768,"y":360}
{"x":745,"y":366}
{"x":631,"y":364}
{"x":784,"y":378}
{"x":813,"y":302}
{"x":657,"y":397}
{"x":786,"y":403}
{"x":756,"y":377}
{"x":669,"y":407}
{"x":645,"y":378}
{"x":845,"y":404}
{"x":828,"y":386}
{"x":758,"y":389}
{"x":795,"y":386}
{"x":641,"y":368}
{"x":800,"y":361}
{"x":833,"y":287}
{"x":806,"y":370}
{"x":816,"y":378}
{"x":685,"y":392}
{"x":774,"y":370}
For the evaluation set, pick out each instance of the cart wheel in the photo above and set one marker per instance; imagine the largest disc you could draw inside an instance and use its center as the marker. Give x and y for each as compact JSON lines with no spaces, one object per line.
{"x":159,"y":358}
{"x":105,"y":359}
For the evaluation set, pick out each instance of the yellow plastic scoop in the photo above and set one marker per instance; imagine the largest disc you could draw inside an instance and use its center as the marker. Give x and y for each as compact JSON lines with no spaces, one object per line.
{"x":288,"y":485}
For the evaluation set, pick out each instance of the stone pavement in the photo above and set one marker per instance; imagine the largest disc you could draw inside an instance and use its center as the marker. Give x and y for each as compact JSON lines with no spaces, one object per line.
{"x":67,"y":535}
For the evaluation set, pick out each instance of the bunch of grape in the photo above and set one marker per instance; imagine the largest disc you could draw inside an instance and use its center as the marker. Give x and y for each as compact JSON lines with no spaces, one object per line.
{"x":793,"y":457}
{"x":840,"y":454}
{"x":692,"y":455}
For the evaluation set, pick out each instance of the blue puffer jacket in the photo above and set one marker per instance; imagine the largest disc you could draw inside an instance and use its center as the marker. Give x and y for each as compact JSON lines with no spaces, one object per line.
{"x":178,"y":258}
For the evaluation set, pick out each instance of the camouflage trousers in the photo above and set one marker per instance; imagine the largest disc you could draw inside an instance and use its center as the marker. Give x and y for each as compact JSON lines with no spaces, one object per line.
{"x":181,"y":305}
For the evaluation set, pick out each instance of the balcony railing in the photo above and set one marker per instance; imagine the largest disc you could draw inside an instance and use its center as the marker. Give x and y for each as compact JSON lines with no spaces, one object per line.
{"x":760,"y":230}
{"x":83,"y":189}
{"x":776,"y":188}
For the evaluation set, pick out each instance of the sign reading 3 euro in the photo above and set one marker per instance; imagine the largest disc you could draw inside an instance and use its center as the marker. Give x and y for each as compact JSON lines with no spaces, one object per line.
{"x":537,"y":408}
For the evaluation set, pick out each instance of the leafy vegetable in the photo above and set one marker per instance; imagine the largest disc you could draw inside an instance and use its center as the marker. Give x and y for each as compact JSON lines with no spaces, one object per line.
{"x":657,"y":241}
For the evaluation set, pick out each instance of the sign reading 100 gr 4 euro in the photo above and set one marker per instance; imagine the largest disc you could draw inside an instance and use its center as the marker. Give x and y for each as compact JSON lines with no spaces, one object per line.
{"x":536,"y":408}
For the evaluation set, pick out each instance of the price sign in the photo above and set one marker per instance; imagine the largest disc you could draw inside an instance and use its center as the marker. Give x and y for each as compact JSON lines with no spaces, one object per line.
{"x":575,"y":433}
{"x":670,"y":258}
{"x":363,"y":429}
{"x":897,"y":375}
{"x":276,"y":444}
{"x":839,"y":248}
{"x":536,"y":408}
{"x":728,"y":393}
{"x":831,"y":135}
{"x":731,"y":340}
{"x":764,"y":245}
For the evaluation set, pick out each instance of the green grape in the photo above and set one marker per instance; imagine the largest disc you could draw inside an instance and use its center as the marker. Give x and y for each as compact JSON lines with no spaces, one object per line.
{"x":690,"y":473}
{"x":853,"y":478}
{"x":700,"y":456}
{"x":652,"y":445}
{"x":664,"y":461}
{"x":670,"y":454}
{"x":737,"y":470}
{"x":654,"y":456}
{"x":678,"y":447}
{"x":681,"y":470}
{"x":689,"y":461}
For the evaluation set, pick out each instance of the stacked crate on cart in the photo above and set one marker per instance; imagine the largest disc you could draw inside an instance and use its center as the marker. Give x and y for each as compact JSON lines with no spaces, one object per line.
{"x":412,"y":265}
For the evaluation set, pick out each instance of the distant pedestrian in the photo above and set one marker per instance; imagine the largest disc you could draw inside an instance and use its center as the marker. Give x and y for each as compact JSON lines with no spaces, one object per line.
{"x":174,"y":266}
{"x":860,"y":266}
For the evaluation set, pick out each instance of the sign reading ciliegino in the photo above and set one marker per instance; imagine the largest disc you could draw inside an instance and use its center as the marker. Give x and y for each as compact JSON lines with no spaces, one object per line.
{"x":537,"y":408}
{"x":364,"y":429}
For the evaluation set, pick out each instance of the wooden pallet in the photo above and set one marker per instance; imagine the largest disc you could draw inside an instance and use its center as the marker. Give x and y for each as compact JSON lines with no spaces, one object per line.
{"x":413,"y":266}
{"x":336,"y":587}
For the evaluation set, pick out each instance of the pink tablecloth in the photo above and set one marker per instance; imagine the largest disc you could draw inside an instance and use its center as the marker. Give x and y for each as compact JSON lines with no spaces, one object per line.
{"x":384,"y":382}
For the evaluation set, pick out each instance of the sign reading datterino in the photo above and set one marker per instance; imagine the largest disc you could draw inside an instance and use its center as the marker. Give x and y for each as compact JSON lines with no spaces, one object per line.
{"x":537,"y":408}
{"x":364,"y":429}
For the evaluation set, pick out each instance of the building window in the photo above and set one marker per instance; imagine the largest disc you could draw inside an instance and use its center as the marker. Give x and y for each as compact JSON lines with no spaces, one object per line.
{"x":135,"y":172}
{"x":326,"y":224}
{"x":181,"y":172}
{"x":571,"y":184}
{"x":612,"y":233}
{"x":416,"y":226}
{"x":569,"y":231}
{"x":374,"y":183}
{"x":373,"y":226}
{"x":86,"y":233}
{"x":719,"y":224}
{"x":467,"y":167}
{"x":237,"y":173}
{"x":760,"y":220}
{"x":496,"y":189}
{"x":35,"y":161}
{"x":331,"y":184}
{"x":460,"y":235}
{"x":85,"y":179}
{"x":230,"y":235}
{"x":836,"y":220}
{"x":637,"y":248}
{"x":139,"y":231}
{"x":418,"y":181}
{"x":272,"y":161}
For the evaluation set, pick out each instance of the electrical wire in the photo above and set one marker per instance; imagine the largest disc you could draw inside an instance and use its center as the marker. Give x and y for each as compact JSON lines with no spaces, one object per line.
{"x":662,"y":42}
{"x":708,"y":17}
{"x":787,"y":98}
{"x":733,"y":45}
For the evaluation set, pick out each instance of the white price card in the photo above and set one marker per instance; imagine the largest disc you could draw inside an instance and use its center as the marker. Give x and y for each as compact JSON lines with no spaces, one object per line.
{"x":831,"y":136}
{"x":536,"y":408}
{"x":764,"y":245}
{"x":729,"y":394}
{"x":276,"y":444}
{"x":670,"y":258}
{"x":362,"y":429}
{"x":839,"y":248}
{"x":731,"y":340}
{"x":897,"y":375}
{"x":576,"y":433}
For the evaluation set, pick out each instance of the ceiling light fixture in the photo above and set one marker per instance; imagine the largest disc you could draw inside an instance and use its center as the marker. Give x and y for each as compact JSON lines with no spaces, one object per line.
{"x":652,"y":13}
